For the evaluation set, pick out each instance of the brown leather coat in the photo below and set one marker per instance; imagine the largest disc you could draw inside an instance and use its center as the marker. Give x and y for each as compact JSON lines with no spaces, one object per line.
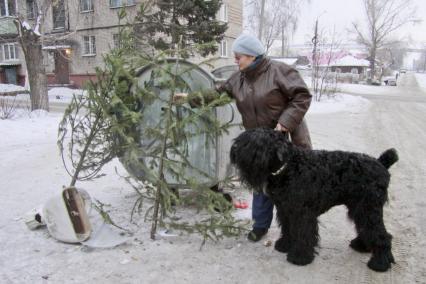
{"x":269,"y":93}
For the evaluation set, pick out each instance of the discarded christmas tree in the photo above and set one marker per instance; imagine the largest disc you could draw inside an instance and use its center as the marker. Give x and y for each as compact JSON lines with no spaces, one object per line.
{"x":136,"y":120}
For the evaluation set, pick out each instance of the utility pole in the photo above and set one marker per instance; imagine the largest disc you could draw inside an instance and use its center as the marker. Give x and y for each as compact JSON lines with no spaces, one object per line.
{"x":261,"y":19}
{"x":283,"y":43}
{"x":314,"y":57}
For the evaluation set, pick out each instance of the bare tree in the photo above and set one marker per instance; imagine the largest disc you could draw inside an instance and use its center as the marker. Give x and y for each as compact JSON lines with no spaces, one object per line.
{"x":31,"y":44}
{"x":273,"y":19}
{"x":325,"y":46}
{"x":32,"y":37}
{"x":288,"y":22}
{"x":383,"y":18}
{"x":391,"y":57}
{"x":261,"y":18}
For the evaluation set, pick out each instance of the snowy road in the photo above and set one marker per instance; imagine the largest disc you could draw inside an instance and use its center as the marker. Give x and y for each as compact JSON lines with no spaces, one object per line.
{"x":395,"y":119}
{"x":407,"y":89}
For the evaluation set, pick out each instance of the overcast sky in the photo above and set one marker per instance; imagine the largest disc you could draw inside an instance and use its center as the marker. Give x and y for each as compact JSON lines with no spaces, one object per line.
{"x":341,"y":13}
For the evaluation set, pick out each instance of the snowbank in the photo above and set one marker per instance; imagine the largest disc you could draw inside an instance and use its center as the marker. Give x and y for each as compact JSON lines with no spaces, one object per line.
{"x":8,"y":88}
{"x":339,"y":103}
{"x":57,"y":94}
{"x":421,"y":80}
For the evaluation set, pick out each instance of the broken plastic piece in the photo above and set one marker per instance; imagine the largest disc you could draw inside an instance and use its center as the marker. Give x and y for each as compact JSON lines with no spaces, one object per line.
{"x":66,"y":216}
{"x":106,"y":236}
{"x":33,"y":219}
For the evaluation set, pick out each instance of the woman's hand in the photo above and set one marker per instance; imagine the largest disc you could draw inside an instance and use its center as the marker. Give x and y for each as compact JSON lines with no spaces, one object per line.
{"x":180,"y":98}
{"x":281,"y":128}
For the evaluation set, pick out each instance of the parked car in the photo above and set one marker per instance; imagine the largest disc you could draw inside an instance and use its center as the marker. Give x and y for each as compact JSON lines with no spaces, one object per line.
{"x":402,"y":71}
{"x":389,"y":81}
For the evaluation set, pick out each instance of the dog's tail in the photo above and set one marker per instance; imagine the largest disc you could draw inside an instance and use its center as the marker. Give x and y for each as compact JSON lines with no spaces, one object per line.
{"x":388,"y":158}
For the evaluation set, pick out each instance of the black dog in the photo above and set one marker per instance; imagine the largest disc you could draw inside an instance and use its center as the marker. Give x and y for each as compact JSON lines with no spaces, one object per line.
{"x":303,"y":184}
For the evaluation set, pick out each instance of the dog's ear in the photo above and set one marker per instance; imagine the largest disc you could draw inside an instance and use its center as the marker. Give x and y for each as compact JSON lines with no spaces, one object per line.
{"x":283,"y":150}
{"x":280,"y":154}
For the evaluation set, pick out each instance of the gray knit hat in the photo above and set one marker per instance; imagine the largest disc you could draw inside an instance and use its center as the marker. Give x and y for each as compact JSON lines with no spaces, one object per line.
{"x":248,"y":45}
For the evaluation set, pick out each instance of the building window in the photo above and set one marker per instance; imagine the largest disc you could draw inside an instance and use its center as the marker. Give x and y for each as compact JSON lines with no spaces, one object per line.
{"x":58,"y":11}
{"x":86,"y":5}
{"x":223,"y":13}
{"x":9,"y":51}
{"x":89,"y":45}
{"x":116,"y":41}
{"x":7,"y":7}
{"x":31,"y":9}
{"x":120,"y":3}
{"x":223,"y":48}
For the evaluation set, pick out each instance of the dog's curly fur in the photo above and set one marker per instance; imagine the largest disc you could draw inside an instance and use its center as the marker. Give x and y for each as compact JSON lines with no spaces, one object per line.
{"x":303,"y":184}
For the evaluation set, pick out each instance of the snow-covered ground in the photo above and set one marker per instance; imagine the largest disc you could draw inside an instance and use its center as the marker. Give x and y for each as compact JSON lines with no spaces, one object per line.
{"x":31,"y":172}
{"x":57,"y":94}
{"x":339,"y":103}
{"x":362,"y":89}
{"x":421,"y":80}
{"x":4,"y":88}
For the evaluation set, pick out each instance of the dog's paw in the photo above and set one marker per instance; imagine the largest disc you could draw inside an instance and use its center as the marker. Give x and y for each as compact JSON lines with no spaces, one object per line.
{"x":381,"y":262}
{"x":282,"y":245}
{"x":300,"y":259}
{"x":358,"y":245}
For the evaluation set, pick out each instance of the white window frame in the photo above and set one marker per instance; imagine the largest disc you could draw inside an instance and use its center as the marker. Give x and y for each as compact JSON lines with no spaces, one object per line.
{"x":6,"y":8}
{"x":89,"y":4}
{"x":223,"y":48}
{"x":54,"y":20}
{"x":89,"y":46}
{"x":222,"y":14}
{"x":10,"y":47}
{"x":33,"y":8}
{"x":113,"y":3}
{"x":116,"y":41}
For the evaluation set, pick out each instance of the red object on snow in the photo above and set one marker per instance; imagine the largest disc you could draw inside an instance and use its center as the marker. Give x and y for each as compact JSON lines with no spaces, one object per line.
{"x":241,"y":204}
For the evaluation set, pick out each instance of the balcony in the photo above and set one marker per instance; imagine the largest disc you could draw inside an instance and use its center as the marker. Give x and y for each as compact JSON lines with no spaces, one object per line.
{"x":7,"y":27}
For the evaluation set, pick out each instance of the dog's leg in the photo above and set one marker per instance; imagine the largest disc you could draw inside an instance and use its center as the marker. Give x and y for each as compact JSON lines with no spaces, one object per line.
{"x":359,"y":245}
{"x":355,"y":214}
{"x":283,"y":243}
{"x":382,"y":257}
{"x":374,"y":236}
{"x":304,"y":238}
{"x":381,"y":241}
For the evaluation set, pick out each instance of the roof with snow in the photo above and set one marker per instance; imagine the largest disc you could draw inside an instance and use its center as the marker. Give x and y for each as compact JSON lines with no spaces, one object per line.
{"x":53,"y":47}
{"x":350,"y":60}
{"x":326,"y":58}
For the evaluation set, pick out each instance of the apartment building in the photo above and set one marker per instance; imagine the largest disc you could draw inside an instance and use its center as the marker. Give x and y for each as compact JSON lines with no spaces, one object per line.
{"x":83,"y":30}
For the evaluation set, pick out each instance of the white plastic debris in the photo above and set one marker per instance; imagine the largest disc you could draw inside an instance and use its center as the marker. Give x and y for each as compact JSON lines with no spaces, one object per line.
{"x":66,"y":216}
{"x":106,"y":236}
{"x":33,"y":219}
{"x":125,"y":261}
{"x":166,"y":233}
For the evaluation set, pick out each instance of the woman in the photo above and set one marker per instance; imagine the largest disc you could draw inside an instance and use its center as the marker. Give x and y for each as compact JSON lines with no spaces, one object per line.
{"x":268,"y":94}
